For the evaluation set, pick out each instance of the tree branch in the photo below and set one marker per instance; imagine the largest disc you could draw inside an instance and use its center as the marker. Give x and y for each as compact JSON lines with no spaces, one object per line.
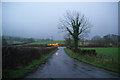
{"x":69,"y":31}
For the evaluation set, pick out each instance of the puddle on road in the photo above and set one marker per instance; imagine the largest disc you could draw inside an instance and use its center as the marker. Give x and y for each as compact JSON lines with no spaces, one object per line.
{"x":57,"y":53}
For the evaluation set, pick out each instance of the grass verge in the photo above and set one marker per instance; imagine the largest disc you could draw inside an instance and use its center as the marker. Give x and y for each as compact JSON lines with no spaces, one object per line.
{"x":95,"y":61}
{"x":29,"y":68}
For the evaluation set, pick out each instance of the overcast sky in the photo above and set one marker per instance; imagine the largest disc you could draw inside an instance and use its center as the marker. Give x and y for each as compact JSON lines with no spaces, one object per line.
{"x":40,"y":20}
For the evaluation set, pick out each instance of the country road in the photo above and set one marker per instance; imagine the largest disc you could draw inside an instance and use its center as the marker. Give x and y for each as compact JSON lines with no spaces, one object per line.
{"x":60,"y":65}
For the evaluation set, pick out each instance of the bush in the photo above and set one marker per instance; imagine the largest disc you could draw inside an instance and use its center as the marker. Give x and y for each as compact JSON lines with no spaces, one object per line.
{"x":17,"y":57}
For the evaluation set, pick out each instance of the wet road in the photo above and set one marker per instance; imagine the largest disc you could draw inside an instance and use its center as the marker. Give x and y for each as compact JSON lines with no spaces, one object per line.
{"x":60,"y":65}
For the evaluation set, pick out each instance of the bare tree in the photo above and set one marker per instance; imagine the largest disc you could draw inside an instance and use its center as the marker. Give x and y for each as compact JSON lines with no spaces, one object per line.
{"x":75,"y":24}
{"x":68,"y":40}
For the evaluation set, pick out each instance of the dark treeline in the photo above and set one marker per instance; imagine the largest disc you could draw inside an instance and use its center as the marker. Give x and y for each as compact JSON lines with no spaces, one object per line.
{"x":110,"y":39}
{"x":6,"y":40}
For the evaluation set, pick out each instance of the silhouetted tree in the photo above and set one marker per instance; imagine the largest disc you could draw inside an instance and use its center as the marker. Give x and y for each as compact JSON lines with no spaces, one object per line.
{"x":97,"y":40}
{"x":75,"y":24}
{"x":31,"y":40}
{"x":68,"y":41}
{"x":111,"y":39}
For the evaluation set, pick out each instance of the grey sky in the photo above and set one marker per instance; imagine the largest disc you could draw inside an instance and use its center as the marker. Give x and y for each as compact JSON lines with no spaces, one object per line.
{"x":40,"y":20}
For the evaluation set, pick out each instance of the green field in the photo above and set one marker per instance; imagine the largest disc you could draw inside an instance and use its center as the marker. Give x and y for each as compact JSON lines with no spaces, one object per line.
{"x":51,"y":42}
{"x":106,"y":58}
{"x":85,"y":43}
{"x":48,"y":42}
{"x":59,"y":42}
{"x":107,"y":53}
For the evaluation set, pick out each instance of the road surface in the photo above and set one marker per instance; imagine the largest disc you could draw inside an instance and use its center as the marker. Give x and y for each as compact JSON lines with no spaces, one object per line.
{"x":60,"y":65}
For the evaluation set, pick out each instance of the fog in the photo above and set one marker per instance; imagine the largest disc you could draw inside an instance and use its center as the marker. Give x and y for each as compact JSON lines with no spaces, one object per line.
{"x":40,"y":19}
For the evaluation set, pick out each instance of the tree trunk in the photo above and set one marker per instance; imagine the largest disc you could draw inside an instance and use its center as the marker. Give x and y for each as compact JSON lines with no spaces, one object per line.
{"x":76,"y":44}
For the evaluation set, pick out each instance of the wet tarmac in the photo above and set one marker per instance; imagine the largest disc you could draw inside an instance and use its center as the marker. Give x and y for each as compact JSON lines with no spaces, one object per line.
{"x":60,"y":65}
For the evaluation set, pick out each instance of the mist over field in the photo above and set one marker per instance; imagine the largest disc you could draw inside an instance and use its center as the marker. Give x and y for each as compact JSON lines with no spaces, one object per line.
{"x":40,"y":20}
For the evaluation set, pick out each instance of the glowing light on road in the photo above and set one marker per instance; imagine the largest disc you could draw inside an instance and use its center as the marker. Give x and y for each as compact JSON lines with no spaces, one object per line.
{"x":55,"y":44}
{"x":57,"y":54}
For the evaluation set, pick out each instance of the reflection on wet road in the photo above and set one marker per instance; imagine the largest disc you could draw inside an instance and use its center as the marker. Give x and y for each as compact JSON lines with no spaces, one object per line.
{"x":60,"y":65}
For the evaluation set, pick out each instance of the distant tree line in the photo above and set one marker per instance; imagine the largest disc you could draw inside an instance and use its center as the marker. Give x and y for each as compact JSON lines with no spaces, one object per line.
{"x":47,"y":39}
{"x":109,"y":39}
{"x":6,"y":40}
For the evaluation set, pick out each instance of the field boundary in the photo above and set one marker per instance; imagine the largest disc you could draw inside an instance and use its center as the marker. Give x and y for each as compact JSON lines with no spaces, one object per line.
{"x":27,"y":69}
{"x":71,"y":54}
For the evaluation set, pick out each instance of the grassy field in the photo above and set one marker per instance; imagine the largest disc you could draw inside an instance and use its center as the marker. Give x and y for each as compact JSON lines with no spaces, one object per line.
{"x":59,"y":42}
{"x":85,"y":43}
{"x":48,"y":42}
{"x":106,"y":58}
{"x":51,"y":42}
{"x":107,"y":53}
{"x":22,"y":72}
